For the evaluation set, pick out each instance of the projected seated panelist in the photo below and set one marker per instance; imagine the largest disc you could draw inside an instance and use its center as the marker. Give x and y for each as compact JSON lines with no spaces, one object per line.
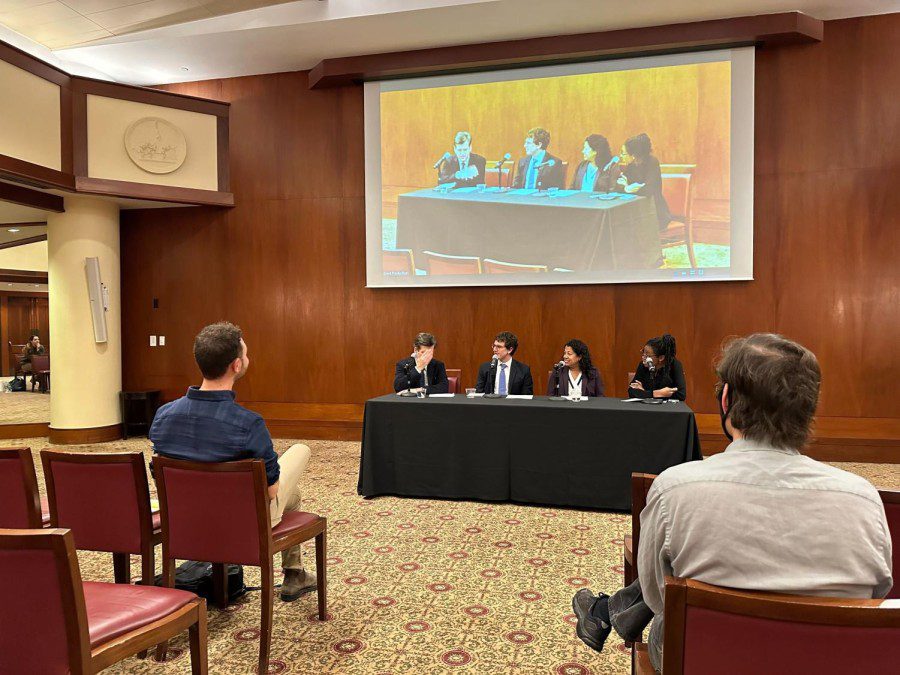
{"x":421,"y":371}
{"x":462,"y":167}
{"x":503,"y":375}
{"x":539,"y":170}
{"x":599,"y":170}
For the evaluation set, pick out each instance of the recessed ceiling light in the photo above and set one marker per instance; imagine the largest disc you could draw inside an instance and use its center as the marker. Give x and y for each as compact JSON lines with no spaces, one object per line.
{"x":13,"y":229}
{"x":185,"y":68}
{"x":37,"y":285}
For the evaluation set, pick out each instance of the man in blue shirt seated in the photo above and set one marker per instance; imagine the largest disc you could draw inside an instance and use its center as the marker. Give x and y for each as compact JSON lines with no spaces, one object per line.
{"x":207,"y":425}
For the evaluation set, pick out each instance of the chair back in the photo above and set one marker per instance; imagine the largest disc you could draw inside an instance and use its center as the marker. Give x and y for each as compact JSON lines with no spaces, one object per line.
{"x":15,"y":356}
{"x":453,"y":376}
{"x":40,"y":362}
{"x":440,"y":263}
{"x":891,"y":499}
{"x":398,"y":262}
{"x":677,"y":188}
{"x":43,"y":623}
{"x":490,"y":266}
{"x":103,"y":498}
{"x":677,"y":168}
{"x":20,"y":503}
{"x":217,"y":512}
{"x":493,"y":177}
{"x":712,"y":630}
{"x":640,"y":487}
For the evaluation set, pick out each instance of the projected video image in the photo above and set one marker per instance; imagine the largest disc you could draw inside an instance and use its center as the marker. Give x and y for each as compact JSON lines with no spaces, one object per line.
{"x":622,"y":175}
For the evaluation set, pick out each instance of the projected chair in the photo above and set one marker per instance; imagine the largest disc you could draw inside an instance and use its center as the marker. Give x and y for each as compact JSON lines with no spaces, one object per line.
{"x":453,"y":375}
{"x":441,"y":263}
{"x":677,"y":168}
{"x":709,"y":629}
{"x":677,"y":188}
{"x":490,"y":266}
{"x":398,"y":262}
{"x":498,"y":178}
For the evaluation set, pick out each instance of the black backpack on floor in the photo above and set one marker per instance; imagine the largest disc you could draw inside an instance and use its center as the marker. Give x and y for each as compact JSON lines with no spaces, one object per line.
{"x":196,"y":577}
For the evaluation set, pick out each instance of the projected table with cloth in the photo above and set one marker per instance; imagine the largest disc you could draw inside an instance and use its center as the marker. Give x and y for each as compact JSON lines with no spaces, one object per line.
{"x":574,"y":231}
{"x":537,"y":451}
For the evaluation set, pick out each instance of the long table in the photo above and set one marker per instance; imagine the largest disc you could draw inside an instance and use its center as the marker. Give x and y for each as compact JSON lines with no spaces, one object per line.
{"x":536,"y":451}
{"x":575,"y":232}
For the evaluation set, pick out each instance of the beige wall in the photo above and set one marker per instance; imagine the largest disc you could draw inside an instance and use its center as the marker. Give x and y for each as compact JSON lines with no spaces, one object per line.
{"x":87,"y":376}
{"x":31,"y":257}
{"x":109,"y":118}
{"x":29,"y":117}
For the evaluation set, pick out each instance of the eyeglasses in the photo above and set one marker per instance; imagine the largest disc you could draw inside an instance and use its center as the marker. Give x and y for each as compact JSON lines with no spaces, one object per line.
{"x":496,"y":346}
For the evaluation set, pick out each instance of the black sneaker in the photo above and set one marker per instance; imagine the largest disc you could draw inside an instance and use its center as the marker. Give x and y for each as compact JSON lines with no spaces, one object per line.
{"x":590,"y":630}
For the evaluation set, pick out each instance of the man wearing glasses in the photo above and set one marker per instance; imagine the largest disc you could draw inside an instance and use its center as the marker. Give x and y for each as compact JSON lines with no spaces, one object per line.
{"x":506,"y":376}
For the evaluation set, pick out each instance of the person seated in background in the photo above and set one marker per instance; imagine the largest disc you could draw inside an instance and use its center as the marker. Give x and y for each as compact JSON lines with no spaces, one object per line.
{"x":599,"y":170}
{"x":421,"y":371}
{"x":32,"y":348}
{"x":641,"y":175}
{"x":464,"y":167}
{"x":759,"y":516}
{"x":510,"y":377}
{"x":207,"y":425}
{"x":578,"y":373}
{"x":539,"y":169}
{"x":659,"y":374}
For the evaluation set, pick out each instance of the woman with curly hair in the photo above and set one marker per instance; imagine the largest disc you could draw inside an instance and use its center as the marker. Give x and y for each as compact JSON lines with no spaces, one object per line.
{"x":577,"y":373}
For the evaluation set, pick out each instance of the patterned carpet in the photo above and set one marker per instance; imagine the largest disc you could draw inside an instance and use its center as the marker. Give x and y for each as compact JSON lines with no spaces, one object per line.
{"x":23,"y":407}
{"x":424,"y":586}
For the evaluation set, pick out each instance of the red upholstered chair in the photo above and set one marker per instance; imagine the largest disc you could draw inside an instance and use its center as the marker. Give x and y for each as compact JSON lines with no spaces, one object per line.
{"x":453,"y":375}
{"x":105,"y":500}
{"x":440,"y":263}
{"x":713,"y":630}
{"x":40,"y":372}
{"x":20,"y":503}
{"x":398,"y":262}
{"x":492,"y":177}
{"x":640,"y":486}
{"x":677,"y":189}
{"x":891,"y":501}
{"x":220,"y":513}
{"x":490,"y":266}
{"x":51,"y":622}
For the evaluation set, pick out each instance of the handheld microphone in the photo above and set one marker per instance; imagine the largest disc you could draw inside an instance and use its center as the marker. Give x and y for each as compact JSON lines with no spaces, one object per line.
{"x":443,"y":159}
{"x":614,"y":160}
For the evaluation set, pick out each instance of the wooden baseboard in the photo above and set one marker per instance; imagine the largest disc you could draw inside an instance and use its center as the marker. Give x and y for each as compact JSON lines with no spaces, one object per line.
{"x":85,"y":436}
{"x":35,"y":430}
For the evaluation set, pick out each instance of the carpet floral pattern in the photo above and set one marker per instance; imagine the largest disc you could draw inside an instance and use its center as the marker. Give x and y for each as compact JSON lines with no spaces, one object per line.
{"x":423,"y":586}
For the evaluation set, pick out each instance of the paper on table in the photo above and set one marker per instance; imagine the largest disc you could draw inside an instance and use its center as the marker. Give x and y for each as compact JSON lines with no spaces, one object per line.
{"x":631,"y":400}
{"x":475,"y":395}
{"x":527,"y":397}
{"x":441,"y":395}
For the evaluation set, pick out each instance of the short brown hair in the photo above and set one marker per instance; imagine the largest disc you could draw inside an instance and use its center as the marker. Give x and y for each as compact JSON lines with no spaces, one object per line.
{"x":539,"y":135}
{"x":215,"y":347}
{"x":424,"y":340}
{"x":509,"y":340}
{"x":774,"y":388}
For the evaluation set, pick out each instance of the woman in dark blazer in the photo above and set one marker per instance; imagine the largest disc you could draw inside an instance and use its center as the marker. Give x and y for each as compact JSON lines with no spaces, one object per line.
{"x":641,"y":175}
{"x":597,"y":173}
{"x":660,"y":374}
{"x":577,"y":371}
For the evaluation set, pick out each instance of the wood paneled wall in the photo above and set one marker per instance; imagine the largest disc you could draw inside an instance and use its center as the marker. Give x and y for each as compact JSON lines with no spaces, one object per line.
{"x":288,"y":262}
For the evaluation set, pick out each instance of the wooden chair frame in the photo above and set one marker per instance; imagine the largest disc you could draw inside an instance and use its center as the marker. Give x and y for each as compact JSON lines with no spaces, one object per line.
{"x":640,"y":486}
{"x":83,"y":659}
{"x":149,"y":538}
{"x":268,"y":546}
{"x":452,"y":260}
{"x":491,"y":266}
{"x":29,"y":478}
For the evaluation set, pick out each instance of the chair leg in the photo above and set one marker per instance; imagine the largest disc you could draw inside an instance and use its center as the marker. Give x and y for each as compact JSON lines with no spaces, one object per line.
{"x":198,"y":640}
{"x":147,"y":572}
{"x":168,"y":580}
{"x":689,"y":241}
{"x":321,"y":571}
{"x":266,"y":602}
{"x":122,"y":568}
{"x":220,"y":584}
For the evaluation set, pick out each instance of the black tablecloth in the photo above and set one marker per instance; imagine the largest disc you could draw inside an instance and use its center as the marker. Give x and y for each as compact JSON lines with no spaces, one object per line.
{"x":538,"y":451}
{"x":573,"y":232}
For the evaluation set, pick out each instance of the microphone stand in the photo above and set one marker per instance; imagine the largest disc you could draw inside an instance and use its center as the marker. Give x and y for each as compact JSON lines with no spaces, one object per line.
{"x":499,"y":168}
{"x":558,"y":372}
{"x":409,"y":393}
{"x":493,"y":372}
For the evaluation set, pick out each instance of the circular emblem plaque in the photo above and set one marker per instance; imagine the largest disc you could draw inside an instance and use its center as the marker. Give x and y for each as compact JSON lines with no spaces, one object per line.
{"x":155,"y":145}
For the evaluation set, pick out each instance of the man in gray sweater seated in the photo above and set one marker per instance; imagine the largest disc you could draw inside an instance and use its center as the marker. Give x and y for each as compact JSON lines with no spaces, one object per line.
{"x":759,"y":516}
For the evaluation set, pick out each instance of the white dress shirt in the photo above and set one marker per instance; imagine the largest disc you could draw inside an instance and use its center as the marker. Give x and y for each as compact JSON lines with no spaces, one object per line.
{"x":576,"y":384}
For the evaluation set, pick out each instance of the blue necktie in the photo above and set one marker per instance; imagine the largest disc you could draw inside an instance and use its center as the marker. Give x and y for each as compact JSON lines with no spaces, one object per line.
{"x":531,"y":175}
{"x":502,"y":379}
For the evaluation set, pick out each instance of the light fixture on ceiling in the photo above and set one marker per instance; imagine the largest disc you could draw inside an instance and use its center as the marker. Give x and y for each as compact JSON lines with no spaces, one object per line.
{"x":13,"y":229}
{"x":185,"y":68}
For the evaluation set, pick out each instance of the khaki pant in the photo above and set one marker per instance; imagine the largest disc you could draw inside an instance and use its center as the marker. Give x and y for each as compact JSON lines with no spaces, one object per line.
{"x":293,"y":464}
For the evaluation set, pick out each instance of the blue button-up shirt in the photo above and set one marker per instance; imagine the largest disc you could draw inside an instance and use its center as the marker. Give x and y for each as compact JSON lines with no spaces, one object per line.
{"x":532,"y":173}
{"x":208,"y":426}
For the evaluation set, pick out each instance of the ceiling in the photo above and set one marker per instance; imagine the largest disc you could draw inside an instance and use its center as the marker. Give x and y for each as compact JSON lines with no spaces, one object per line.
{"x":163,"y":41}
{"x":13,"y":213}
{"x":24,"y":232}
{"x":28,"y":288}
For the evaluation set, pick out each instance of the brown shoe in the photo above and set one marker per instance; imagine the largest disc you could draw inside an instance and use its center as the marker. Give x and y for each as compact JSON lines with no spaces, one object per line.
{"x":297,"y":583}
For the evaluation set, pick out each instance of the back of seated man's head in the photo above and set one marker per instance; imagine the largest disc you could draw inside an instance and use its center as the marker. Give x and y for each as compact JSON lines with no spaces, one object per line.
{"x":773,"y":389}
{"x":217,"y":347}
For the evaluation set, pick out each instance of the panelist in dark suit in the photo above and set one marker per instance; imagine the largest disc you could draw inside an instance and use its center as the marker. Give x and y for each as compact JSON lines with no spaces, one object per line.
{"x":579,"y":371}
{"x":598,"y":172}
{"x":539,"y":169}
{"x":464,"y":167}
{"x":422,"y":371}
{"x":510,"y":377}
{"x":660,"y":374}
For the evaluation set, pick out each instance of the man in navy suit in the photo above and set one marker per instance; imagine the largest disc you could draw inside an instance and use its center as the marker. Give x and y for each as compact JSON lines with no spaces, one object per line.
{"x":464,"y":167}
{"x":510,"y":377}
{"x":539,"y":169}
{"x":421,"y":371}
